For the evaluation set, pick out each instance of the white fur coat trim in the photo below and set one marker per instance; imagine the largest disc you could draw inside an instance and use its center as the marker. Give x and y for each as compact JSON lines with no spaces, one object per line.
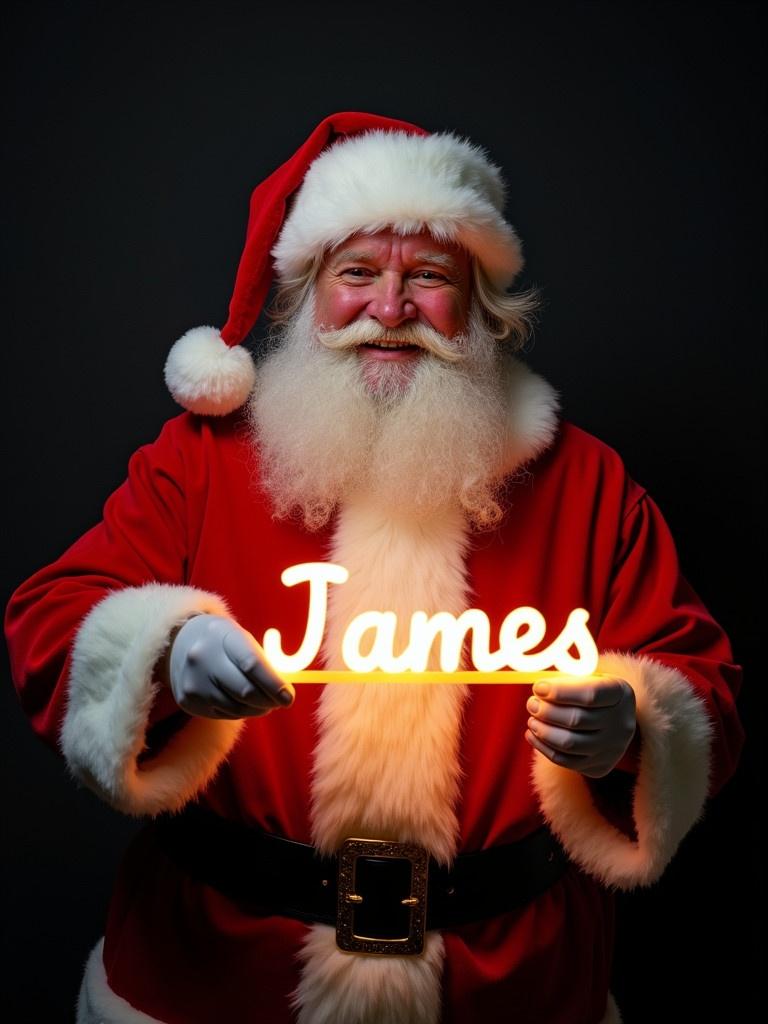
{"x":532,"y":414}
{"x":385,"y":179}
{"x":386,"y":765}
{"x":111,"y":691}
{"x":387,"y":761}
{"x":98,"y":1004}
{"x":352,"y":988}
{"x":669,"y":792}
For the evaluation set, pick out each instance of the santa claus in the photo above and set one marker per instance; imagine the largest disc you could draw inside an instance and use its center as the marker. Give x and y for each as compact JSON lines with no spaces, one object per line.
{"x":377,"y":853}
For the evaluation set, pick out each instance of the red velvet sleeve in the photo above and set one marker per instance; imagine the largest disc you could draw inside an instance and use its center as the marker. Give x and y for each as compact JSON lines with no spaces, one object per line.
{"x":142,"y":538}
{"x":653,"y":611}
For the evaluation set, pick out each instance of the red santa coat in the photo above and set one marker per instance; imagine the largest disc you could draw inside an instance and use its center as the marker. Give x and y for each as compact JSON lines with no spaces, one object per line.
{"x":190,"y":531}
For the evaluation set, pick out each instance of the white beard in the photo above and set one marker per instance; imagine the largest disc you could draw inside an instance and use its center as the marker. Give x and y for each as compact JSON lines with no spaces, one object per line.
{"x":414,"y":446}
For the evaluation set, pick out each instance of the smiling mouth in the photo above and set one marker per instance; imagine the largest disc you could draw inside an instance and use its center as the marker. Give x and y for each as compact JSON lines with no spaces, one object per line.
{"x":389,"y":344}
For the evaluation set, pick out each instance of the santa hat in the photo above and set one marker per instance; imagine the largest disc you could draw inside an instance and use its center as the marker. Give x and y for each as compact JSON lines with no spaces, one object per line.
{"x":355,"y":172}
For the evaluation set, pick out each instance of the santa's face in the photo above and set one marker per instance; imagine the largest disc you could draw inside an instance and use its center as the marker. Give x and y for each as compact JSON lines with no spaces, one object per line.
{"x":393,"y":285}
{"x":413,"y":446}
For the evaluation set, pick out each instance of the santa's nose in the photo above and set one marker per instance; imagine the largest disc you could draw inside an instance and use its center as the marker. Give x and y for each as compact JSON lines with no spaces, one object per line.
{"x":391,"y":304}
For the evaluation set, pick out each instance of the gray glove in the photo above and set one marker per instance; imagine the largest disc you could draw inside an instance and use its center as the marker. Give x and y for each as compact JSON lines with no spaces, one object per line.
{"x":216,"y":669}
{"x":587,"y":726}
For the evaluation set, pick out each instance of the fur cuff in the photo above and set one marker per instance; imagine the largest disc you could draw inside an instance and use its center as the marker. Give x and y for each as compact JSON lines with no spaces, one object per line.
{"x":111,"y":692}
{"x":670,"y":789}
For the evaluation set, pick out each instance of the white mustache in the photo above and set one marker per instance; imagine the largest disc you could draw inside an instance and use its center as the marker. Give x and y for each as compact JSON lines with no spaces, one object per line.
{"x":349,"y":337}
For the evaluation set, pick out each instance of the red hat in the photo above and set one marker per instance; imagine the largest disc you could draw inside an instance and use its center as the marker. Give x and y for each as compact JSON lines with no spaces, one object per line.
{"x":355,"y":172}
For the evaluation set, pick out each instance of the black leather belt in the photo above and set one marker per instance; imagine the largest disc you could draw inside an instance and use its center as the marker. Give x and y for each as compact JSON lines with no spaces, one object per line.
{"x":381,"y":896}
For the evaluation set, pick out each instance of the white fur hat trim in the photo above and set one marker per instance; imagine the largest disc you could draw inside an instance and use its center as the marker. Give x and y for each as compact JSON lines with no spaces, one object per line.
{"x":382,"y":179}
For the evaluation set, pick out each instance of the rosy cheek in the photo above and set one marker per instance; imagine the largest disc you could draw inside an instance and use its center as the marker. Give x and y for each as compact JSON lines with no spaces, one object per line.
{"x":341,"y":306}
{"x":445,"y":310}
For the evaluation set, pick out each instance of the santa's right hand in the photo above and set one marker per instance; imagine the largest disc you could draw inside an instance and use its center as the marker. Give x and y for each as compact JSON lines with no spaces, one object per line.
{"x":216,"y":669}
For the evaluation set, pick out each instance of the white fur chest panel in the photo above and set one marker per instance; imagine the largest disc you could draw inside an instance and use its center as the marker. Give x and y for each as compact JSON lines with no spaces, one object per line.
{"x":387,"y":760}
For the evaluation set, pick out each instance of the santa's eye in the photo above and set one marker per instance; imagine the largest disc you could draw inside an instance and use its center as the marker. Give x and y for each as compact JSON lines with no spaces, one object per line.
{"x":429,"y":277}
{"x":359,"y":272}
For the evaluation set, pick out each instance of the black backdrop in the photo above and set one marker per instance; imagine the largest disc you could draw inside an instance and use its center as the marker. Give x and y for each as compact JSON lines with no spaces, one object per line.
{"x":630,"y":139}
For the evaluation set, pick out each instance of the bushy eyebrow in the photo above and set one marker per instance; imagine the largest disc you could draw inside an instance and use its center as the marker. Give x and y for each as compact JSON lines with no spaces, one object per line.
{"x":439,"y":259}
{"x":351,"y":256}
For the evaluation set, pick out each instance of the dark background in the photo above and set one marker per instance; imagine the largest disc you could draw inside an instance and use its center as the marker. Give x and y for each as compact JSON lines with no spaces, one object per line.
{"x":631,"y":140}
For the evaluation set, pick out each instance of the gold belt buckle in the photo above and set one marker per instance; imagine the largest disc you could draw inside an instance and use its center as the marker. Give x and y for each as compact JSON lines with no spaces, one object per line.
{"x":350,"y":900}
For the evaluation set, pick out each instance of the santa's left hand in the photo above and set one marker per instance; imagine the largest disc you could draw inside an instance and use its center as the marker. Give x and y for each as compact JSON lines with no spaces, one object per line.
{"x":584,"y":726}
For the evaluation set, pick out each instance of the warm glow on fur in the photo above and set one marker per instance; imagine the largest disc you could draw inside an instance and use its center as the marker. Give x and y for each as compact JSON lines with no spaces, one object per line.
{"x":523,"y":629}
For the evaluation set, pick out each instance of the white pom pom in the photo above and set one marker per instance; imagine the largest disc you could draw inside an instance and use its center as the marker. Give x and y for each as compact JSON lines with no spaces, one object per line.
{"x":206,"y":375}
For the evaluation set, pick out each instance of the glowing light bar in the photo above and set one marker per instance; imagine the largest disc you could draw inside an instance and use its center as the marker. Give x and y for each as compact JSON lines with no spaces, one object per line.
{"x":473,"y":677}
{"x":511,"y":663}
